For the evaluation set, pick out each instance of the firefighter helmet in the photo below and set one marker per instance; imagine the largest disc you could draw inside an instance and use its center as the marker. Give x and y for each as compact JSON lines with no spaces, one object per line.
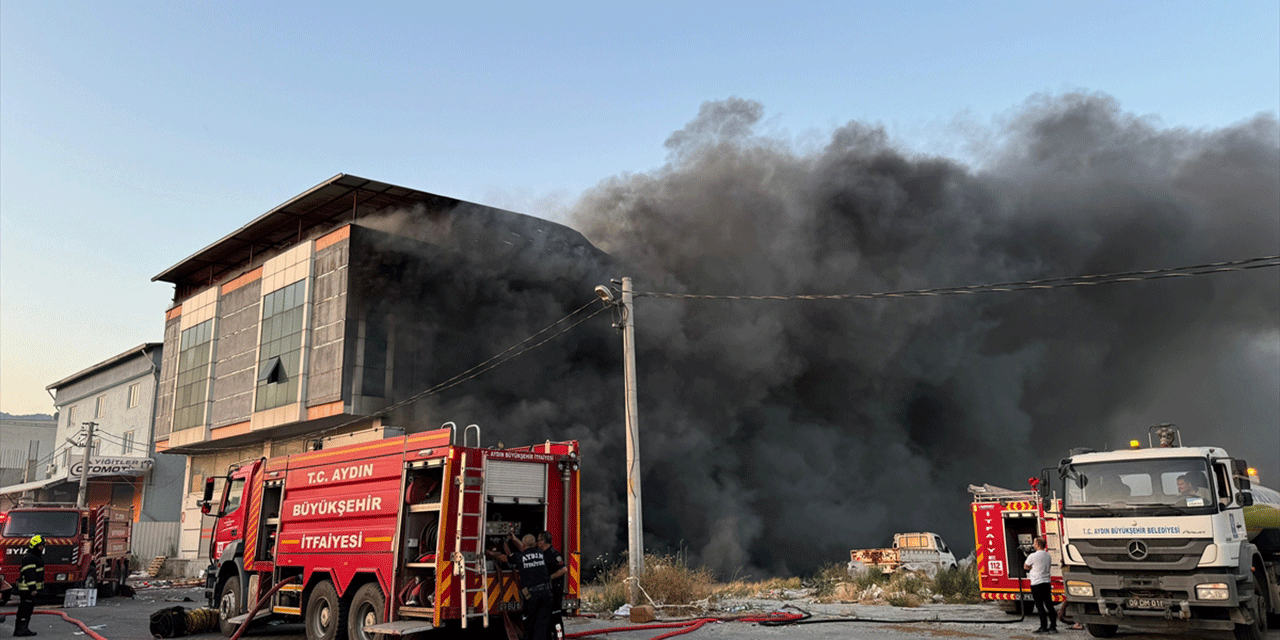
{"x":35,"y":540}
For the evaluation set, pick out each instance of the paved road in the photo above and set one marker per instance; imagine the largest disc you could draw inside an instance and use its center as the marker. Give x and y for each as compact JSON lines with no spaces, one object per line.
{"x":129,"y":619}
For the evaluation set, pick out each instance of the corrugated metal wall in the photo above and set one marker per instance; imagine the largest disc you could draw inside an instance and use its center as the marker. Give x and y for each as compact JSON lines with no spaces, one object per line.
{"x":151,"y":539}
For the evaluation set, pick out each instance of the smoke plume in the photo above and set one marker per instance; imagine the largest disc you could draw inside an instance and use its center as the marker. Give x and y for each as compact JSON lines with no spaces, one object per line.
{"x":777,"y":435}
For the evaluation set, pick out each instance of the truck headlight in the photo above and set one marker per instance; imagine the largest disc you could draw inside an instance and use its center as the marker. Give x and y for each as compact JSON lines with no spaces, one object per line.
{"x":1213,"y":591}
{"x":62,"y":577}
{"x":1079,"y":589}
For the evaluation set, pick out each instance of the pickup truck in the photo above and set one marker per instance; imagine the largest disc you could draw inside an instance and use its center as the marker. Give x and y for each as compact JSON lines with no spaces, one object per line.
{"x":919,"y":551}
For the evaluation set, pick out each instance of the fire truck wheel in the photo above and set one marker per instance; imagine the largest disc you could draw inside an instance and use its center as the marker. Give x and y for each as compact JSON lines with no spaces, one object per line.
{"x":367,"y":607}
{"x":326,"y":613}
{"x":1101,"y":630}
{"x":229,"y":605}
{"x":90,"y":579}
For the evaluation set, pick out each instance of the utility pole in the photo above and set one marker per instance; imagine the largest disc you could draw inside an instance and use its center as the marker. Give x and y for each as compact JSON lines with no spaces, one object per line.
{"x":83,"y":499}
{"x":635,"y":522}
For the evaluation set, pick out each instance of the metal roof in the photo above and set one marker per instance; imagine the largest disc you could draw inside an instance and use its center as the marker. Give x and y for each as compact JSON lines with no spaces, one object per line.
{"x":338,"y":200}
{"x":138,"y":352}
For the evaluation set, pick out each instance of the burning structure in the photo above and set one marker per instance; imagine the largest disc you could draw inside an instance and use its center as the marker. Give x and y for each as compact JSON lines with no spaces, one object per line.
{"x":344,"y":303}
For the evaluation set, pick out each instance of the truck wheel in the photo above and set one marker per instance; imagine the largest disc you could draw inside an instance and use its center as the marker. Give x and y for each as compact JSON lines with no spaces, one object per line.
{"x":1101,"y":630}
{"x":367,"y":607}
{"x":1257,"y":605}
{"x":90,"y":581}
{"x":326,"y":614}
{"x":229,"y":605}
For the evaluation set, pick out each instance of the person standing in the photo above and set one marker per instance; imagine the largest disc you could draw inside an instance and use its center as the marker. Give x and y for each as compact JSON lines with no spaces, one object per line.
{"x":1038,"y":565}
{"x":535,"y":585}
{"x":555,"y":564}
{"x":30,"y":582}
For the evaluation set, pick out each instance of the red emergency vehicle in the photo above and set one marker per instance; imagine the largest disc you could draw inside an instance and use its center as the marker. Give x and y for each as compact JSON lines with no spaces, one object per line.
{"x":84,"y":548}
{"x":388,"y":537}
{"x":1004,"y":524}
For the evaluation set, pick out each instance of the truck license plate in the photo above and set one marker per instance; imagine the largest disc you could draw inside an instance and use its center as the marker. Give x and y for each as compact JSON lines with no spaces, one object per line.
{"x":1144,"y":603}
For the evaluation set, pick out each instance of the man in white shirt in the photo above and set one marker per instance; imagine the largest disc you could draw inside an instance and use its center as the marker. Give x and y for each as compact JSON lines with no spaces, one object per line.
{"x":1038,"y":565}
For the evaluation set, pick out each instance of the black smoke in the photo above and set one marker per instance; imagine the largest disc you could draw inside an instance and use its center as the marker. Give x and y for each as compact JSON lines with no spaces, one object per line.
{"x":777,"y":435}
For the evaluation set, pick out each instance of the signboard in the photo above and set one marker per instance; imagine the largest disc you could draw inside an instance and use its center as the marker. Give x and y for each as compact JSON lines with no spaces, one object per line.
{"x":113,"y":466}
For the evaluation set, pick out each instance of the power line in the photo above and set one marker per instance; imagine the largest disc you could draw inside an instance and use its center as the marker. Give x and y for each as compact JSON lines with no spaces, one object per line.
{"x":1024,"y":285}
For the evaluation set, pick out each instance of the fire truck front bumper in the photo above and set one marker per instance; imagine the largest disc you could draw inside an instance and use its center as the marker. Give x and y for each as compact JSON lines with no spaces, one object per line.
{"x":1197,"y":601}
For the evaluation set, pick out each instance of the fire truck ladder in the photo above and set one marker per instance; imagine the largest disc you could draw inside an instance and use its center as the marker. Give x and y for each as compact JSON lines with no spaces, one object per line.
{"x":468,"y":550}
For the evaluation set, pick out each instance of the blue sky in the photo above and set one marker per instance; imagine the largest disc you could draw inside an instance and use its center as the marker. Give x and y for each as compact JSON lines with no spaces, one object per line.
{"x":132,"y":134}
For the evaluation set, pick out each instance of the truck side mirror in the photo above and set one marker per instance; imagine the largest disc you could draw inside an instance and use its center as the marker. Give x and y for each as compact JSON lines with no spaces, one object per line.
{"x":206,"y":503}
{"x":1245,"y":498}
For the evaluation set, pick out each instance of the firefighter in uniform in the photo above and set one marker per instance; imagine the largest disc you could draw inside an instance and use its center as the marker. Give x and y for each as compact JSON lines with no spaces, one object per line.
{"x":535,"y":584}
{"x":30,"y":582}
{"x":555,"y":564}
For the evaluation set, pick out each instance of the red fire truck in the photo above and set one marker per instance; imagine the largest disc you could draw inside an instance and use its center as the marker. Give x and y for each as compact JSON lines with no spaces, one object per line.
{"x":84,"y":548}
{"x":388,"y":537}
{"x":1004,"y":524}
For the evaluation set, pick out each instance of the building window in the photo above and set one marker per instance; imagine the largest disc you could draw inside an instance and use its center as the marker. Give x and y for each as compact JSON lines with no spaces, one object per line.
{"x":374,"y":378}
{"x":100,"y":407}
{"x":128,"y":442}
{"x":71,"y":416}
{"x":193,"y":376}
{"x":135,"y":390}
{"x":280,"y":348}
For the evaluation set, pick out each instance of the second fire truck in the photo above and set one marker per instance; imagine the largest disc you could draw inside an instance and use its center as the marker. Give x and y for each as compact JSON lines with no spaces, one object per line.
{"x":1004,"y":524}
{"x":85,"y":548}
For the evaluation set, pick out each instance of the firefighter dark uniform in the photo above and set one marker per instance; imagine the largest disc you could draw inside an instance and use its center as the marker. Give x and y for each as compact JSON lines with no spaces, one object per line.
{"x":556,"y":569}
{"x":535,"y":582}
{"x":30,"y":582}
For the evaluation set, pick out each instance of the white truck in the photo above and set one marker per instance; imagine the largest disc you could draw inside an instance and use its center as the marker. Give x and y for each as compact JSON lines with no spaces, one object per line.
{"x":1168,"y":538}
{"x":919,"y":551}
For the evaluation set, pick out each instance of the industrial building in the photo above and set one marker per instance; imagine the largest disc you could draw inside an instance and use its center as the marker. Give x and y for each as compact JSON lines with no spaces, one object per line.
{"x":118,"y":396}
{"x":325,"y":320}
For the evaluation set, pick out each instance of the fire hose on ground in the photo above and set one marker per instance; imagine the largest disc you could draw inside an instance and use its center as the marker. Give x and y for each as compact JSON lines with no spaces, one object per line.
{"x":54,"y":612}
{"x":780,"y":619}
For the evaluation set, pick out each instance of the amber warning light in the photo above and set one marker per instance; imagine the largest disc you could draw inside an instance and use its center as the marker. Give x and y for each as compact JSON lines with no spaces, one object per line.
{"x":1134,"y":444}
{"x":1252,"y":472}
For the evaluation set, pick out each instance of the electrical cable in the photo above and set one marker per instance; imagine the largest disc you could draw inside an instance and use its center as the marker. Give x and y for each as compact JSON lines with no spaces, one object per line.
{"x":1244,"y":264}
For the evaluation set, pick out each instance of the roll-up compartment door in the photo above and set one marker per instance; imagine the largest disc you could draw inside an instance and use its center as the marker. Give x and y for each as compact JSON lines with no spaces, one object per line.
{"x":516,"y":481}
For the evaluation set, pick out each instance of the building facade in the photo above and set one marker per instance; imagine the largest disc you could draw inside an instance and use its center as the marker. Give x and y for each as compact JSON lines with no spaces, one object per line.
{"x":118,"y":396}
{"x":327,"y":318}
{"x":26,"y":443}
